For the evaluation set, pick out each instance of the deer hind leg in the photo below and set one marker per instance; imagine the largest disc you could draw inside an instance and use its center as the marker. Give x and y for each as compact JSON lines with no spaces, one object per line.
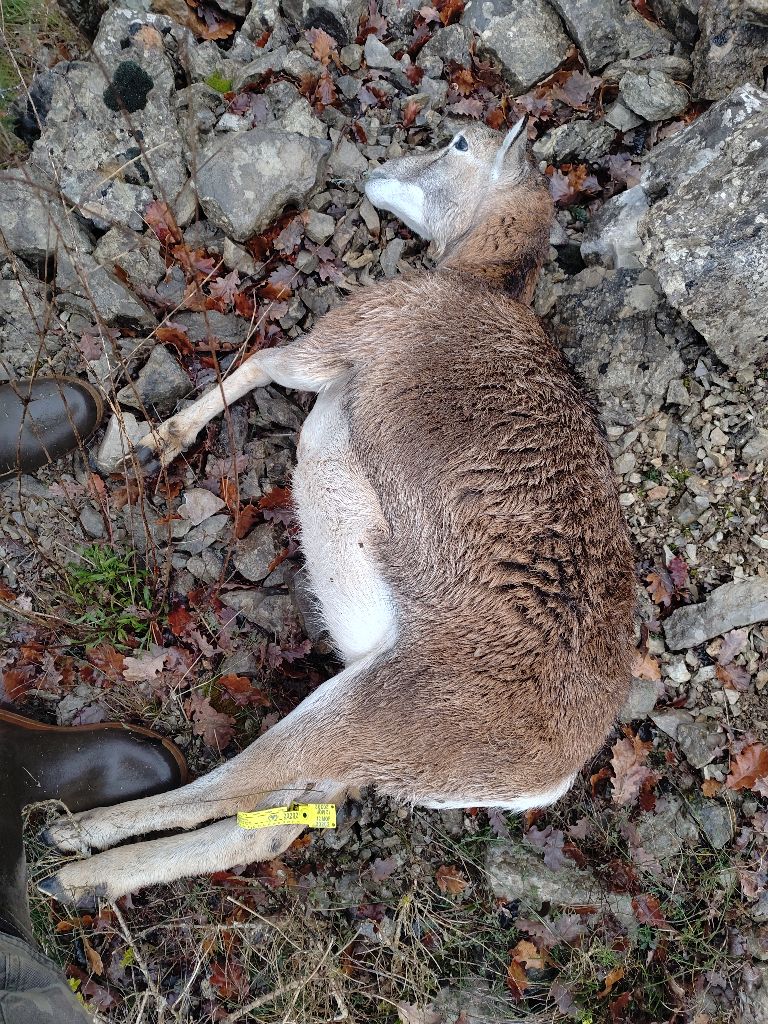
{"x":216,"y":847}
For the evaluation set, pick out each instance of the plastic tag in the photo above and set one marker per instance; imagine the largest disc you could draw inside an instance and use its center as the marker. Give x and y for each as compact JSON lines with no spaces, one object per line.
{"x":309,"y":815}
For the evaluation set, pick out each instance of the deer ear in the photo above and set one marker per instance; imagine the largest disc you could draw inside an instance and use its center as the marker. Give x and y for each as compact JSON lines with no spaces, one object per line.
{"x":515,"y":134}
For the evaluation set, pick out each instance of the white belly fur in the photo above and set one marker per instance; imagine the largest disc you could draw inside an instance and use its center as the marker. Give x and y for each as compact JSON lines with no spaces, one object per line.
{"x":339,"y":511}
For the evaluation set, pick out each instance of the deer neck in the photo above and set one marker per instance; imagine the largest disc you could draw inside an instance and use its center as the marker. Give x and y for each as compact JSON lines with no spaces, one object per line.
{"x":507,"y":248}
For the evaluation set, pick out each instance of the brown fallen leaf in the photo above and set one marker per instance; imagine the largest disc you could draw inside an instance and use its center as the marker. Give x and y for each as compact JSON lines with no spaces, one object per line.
{"x":450,"y":880}
{"x":645,"y":666}
{"x":95,"y":963}
{"x":144,"y":668}
{"x":629,"y":770}
{"x":647,"y":911}
{"x":214,"y":726}
{"x":710,"y":787}
{"x":517,"y":980}
{"x":749,"y":768}
{"x":527,"y":954}
{"x":611,"y":979}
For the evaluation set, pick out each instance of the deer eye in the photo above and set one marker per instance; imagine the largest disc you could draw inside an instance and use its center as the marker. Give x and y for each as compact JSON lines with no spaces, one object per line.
{"x":461,"y":144}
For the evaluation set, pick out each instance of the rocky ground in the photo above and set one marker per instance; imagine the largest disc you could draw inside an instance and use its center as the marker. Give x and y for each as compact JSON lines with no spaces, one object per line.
{"x":193,"y":194}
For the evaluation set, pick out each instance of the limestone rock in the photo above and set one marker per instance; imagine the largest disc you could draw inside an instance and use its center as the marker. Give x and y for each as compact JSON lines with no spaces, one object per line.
{"x":653,"y":95}
{"x":688,"y":152}
{"x":128,"y":88}
{"x":578,"y":140}
{"x":680,"y":17}
{"x":450,"y":45}
{"x":254,"y":555}
{"x":246,"y":180}
{"x":122,"y":434}
{"x":516,"y":872}
{"x":378,"y":56}
{"x":730,"y":606}
{"x":608,"y":30}
{"x":614,"y":340}
{"x":707,"y":243}
{"x":611,"y":238}
{"x":159,"y":386}
{"x":525,"y":36}
{"x":730,"y":51}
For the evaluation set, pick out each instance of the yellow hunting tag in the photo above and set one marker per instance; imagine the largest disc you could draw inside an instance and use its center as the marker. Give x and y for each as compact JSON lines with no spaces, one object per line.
{"x":310,"y":815}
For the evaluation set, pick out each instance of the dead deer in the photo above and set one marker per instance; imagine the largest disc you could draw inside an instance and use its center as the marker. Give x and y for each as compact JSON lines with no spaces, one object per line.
{"x":462,"y":535}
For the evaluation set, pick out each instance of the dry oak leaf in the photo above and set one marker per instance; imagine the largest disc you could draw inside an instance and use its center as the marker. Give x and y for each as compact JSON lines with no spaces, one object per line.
{"x":450,"y":880}
{"x":611,"y":978}
{"x":749,"y":769}
{"x":143,"y":668}
{"x":517,"y":980}
{"x":527,"y":954}
{"x":646,"y":908}
{"x":214,"y":726}
{"x":645,"y":666}
{"x":629,"y":771}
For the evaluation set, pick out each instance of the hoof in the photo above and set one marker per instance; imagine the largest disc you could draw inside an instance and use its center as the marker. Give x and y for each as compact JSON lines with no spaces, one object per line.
{"x":86,"y":899}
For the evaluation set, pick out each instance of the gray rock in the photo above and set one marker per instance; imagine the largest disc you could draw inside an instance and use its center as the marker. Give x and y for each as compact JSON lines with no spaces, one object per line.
{"x":618,"y":348}
{"x":82,"y":143}
{"x":246,"y":180}
{"x":674,"y":65}
{"x":273,"y":613}
{"x":715,"y":820}
{"x":680,"y":17}
{"x":351,"y":56}
{"x":608,"y":30}
{"x":86,"y":287}
{"x":207,"y":566}
{"x":450,"y":45}
{"x":199,"y":505}
{"x":391,"y":256}
{"x":377,"y":55}
{"x":400,"y":12}
{"x":669,"y":721}
{"x":755,"y":12}
{"x":27,"y":341}
{"x":611,"y":238}
{"x":159,"y":386}
{"x":319,"y":226}
{"x":653,"y":95}
{"x":254,"y":555}
{"x":640,"y":701}
{"x":91,"y":522}
{"x":35,"y":225}
{"x":202,"y":536}
{"x":516,"y":872}
{"x":706,"y":244}
{"x":138,"y":255}
{"x":347,"y":163}
{"x":579,"y":139}
{"x":621,"y":117}
{"x":525,"y":36}
{"x":264,"y":14}
{"x":119,"y":438}
{"x":690,"y":151}
{"x":729,"y":52}
{"x":211,"y":326}
{"x":339,"y":18}
{"x":756,"y":449}
{"x":700,"y":742}
{"x":668,"y":830}
{"x":268,"y":62}
{"x":297,"y":64}
{"x":730,"y":606}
